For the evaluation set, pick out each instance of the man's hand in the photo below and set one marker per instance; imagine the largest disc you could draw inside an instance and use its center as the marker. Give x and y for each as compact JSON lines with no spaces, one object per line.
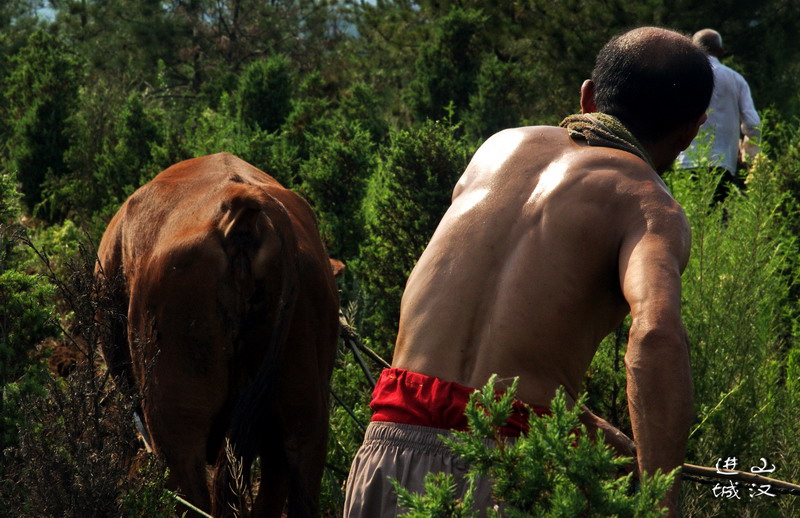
{"x":748,"y":150}
{"x":749,"y":147}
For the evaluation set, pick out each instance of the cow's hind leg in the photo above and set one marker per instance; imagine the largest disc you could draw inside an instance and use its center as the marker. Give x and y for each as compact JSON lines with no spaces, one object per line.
{"x":305,"y":463}
{"x":304,"y":411}
{"x":186,"y":394}
{"x":188,"y":340}
{"x":184,"y":451}
{"x":305,"y":443}
{"x":289,"y":480}
{"x":273,"y":489}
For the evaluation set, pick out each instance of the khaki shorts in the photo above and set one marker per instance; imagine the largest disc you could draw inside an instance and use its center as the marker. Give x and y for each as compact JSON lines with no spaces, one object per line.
{"x":405,"y":453}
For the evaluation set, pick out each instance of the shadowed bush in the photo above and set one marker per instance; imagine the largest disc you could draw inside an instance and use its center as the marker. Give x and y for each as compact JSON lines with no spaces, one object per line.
{"x":77,"y":450}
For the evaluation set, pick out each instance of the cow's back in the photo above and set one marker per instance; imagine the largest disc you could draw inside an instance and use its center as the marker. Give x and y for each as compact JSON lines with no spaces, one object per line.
{"x":189,"y":199}
{"x":188,"y":211}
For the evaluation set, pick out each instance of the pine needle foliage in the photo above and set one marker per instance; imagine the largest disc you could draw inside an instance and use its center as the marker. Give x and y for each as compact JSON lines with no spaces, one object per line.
{"x":26,"y":310}
{"x":740,"y":310}
{"x":448,"y":65}
{"x":265,"y":92}
{"x":406,"y":197}
{"x":555,"y":470}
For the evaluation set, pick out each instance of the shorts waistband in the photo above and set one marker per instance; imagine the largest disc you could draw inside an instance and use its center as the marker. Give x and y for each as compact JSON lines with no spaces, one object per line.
{"x":409,"y":436}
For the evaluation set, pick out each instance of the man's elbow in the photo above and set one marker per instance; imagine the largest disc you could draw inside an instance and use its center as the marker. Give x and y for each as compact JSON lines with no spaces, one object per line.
{"x":668,"y":333}
{"x":751,"y":125}
{"x":656,"y":351}
{"x":751,"y":132}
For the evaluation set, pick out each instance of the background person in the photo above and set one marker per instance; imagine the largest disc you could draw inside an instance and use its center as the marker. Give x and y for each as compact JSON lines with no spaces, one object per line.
{"x":732,"y":119}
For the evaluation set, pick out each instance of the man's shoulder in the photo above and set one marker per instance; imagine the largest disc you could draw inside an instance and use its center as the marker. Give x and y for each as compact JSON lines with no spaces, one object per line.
{"x":726,"y":73}
{"x":528,"y":133}
{"x":657,"y":212}
{"x":629,"y":183}
{"x":598,"y":168}
{"x":612,"y":164}
{"x":536,"y":144}
{"x":623,"y":186}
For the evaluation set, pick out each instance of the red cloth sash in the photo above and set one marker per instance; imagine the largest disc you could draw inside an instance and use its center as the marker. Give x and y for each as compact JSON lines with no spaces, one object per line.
{"x":406,"y":397}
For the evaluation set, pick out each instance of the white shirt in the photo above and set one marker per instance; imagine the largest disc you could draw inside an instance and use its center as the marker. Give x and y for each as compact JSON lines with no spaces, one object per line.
{"x":730,"y":111}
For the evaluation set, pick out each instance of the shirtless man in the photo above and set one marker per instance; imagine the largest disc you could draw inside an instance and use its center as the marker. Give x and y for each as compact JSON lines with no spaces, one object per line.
{"x":550,"y":241}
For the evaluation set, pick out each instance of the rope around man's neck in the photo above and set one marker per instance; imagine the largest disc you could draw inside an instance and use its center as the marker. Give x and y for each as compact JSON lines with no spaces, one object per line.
{"x":601,"y":129}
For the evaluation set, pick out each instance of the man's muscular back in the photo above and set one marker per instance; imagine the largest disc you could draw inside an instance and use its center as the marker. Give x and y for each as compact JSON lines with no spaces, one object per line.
{"x":547,"y":219}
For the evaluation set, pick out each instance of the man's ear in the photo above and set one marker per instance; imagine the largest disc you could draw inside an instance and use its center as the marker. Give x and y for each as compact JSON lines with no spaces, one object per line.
{"x":689,"y":132}
{"x":587,"y":97}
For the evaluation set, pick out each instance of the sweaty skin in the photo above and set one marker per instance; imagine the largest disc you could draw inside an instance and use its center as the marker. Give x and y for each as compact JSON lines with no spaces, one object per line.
{"x":547,"y":245}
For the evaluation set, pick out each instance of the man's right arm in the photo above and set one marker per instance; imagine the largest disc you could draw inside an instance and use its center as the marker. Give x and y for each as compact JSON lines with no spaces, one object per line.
{"x":750,"y":121}
{"x":652,"y":257}
{"x":750,"y":125}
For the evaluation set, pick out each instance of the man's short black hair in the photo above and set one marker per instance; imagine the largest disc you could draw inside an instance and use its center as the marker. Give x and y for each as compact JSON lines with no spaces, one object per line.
{"x":653,"y":80}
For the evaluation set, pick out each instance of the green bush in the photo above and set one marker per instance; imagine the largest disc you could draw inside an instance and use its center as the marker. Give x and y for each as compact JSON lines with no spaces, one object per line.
{"x":448,"y":65}
{"x":741,"y":323}
{"x":127,"y":161}
{"x":311,"y":115}
{"x":264,"y":96}
{"x":334,"y":182}
{"x":363,"y":104}
{"x":10,"y":210}
{"x":75,"y":452}
{"x":41,"y":91}
{"x":406,"y":197}
{"x":26,"y":317}
{"x":554,"y":470}
{"x":503,"y":92}
{"x":77,"y":455}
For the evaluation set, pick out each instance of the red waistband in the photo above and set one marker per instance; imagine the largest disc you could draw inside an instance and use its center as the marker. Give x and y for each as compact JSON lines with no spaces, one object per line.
{"x":406,"y":397}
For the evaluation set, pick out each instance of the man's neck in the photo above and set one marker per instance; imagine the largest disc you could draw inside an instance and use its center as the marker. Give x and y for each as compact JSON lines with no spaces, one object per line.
{"x":661,"y":156}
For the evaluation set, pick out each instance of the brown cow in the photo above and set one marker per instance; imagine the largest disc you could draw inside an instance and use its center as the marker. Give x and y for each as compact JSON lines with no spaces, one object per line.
{"x":231,"y":328}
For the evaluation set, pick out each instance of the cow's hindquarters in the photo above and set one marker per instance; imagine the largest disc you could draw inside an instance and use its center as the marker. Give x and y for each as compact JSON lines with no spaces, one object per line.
{"x":255,"y":425}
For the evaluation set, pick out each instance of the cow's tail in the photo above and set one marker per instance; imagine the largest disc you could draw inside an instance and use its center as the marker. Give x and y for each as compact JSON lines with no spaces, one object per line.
{"x":256,"y":417}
